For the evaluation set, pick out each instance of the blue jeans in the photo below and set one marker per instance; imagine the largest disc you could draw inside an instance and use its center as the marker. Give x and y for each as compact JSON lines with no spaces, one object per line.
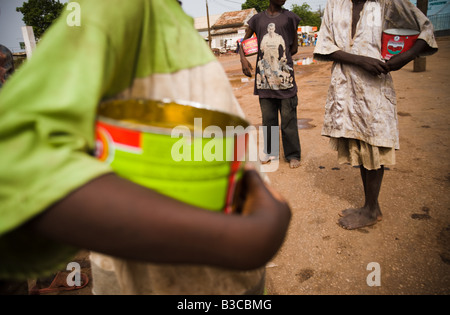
{"x":289,"y":126}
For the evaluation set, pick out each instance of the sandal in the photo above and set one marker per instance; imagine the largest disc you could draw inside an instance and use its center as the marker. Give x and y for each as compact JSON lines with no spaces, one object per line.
{"x":59,"y":283}
{"x":268,"y":158}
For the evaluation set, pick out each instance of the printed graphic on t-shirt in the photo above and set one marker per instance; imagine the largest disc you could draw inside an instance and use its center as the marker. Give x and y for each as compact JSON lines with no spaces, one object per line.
{"x":274,"y":72}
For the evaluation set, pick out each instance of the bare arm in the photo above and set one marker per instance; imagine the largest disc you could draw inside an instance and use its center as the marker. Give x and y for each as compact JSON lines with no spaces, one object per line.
{"x":246,"y":65}
{"x":116,"y":217}
{"x":376,"y":66}
{"x":399,"y":61}
{"x":371,"y":65}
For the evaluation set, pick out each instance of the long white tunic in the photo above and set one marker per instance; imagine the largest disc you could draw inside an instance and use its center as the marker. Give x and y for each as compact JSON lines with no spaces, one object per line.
{"x":359,"y":105}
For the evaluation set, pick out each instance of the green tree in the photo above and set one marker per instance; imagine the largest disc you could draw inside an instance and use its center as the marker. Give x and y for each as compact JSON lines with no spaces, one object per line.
{"x":308,"y":17}
{"x":40,"y":14}
{"x":259,"y":5}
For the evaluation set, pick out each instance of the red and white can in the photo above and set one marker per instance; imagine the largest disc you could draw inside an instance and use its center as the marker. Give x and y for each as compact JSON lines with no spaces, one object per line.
{"x":396,"y":41}
{"x":250,"y":46}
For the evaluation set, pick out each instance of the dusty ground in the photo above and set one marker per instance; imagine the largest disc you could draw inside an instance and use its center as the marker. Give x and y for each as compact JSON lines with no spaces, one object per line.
{"x":412,"y":243}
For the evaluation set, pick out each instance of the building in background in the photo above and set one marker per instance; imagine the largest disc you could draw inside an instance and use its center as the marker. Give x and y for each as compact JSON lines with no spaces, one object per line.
{"x":227,"y":29}
{"x":438,"y":11}
{"x":439,"y":15}
{"x":201,"y":24}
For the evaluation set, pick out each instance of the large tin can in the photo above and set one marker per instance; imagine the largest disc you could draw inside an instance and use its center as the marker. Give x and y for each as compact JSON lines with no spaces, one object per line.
{"x":396,"y":41}
{"x":250,"y":46}
{"x":179,"y":149}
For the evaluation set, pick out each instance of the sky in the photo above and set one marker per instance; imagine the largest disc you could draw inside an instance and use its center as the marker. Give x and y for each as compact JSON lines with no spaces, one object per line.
{"x":11,"y":21}
{"x":197,"y":8}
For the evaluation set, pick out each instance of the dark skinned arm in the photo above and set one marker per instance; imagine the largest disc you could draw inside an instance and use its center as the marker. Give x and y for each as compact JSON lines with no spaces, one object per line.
{"x":116,"y":217}
{"x":247,"y":68}
{"x":377,"y":67}
{"x":371,"y":65}
{"x":399,"y":61}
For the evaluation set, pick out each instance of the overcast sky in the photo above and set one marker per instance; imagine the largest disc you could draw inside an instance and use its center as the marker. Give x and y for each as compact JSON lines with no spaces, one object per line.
{"x":197,"y":8}
{"x":11,"y":21}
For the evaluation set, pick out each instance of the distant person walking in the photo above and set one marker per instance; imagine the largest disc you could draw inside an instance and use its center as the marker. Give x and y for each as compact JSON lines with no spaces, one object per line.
{"x":361,"y":112}
{"x":276,"y":30}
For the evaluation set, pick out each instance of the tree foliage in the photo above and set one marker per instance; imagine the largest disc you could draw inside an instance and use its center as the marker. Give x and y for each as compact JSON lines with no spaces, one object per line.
{"x":307,"y":16}
{"x":40,"y":14}
{"x":259,"y":5}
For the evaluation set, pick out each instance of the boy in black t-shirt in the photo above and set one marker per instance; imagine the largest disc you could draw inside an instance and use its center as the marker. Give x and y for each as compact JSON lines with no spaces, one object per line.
{"x":276,"y":30}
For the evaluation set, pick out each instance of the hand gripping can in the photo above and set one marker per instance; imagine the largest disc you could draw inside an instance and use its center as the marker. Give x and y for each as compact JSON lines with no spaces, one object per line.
{"x":179,"y":149}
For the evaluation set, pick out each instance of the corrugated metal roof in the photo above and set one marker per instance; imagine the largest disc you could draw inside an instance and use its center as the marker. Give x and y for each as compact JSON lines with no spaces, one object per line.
{"x":224,"y":31}
{"x":201,"y":23}
{"x":234,"y":18}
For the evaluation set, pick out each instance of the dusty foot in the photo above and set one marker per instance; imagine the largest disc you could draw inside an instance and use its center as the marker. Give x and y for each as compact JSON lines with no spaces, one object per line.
{"x":358,"y":219}
{"x":348,"y":211}
{"x":294,"y":163}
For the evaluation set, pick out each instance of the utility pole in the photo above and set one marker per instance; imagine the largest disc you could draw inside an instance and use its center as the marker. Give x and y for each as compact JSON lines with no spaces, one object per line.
{"x":30,"y":41}
{"x":209,"y":28}
{"x":420,"y":63}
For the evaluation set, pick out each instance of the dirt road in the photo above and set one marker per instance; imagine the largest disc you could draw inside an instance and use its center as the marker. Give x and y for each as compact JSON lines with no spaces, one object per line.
{"x":411,"y":246}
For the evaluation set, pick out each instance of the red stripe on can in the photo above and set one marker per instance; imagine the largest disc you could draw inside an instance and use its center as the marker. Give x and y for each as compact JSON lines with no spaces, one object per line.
{"x":234,"y":168}
{"x":123,"y":136}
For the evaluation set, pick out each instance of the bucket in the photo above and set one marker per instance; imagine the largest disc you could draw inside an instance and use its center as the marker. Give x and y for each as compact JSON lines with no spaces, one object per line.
{"x":182,"y":150}
{"x":396,"y":41}
{"x":250,"y":46}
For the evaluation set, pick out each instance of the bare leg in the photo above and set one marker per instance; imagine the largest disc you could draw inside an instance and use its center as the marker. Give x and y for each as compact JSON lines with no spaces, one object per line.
{"x":370,"y":213}
{"x":348,"y":211}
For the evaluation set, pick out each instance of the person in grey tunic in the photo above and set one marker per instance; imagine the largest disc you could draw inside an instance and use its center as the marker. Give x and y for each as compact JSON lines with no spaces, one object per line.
{"x":360,"y":111}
